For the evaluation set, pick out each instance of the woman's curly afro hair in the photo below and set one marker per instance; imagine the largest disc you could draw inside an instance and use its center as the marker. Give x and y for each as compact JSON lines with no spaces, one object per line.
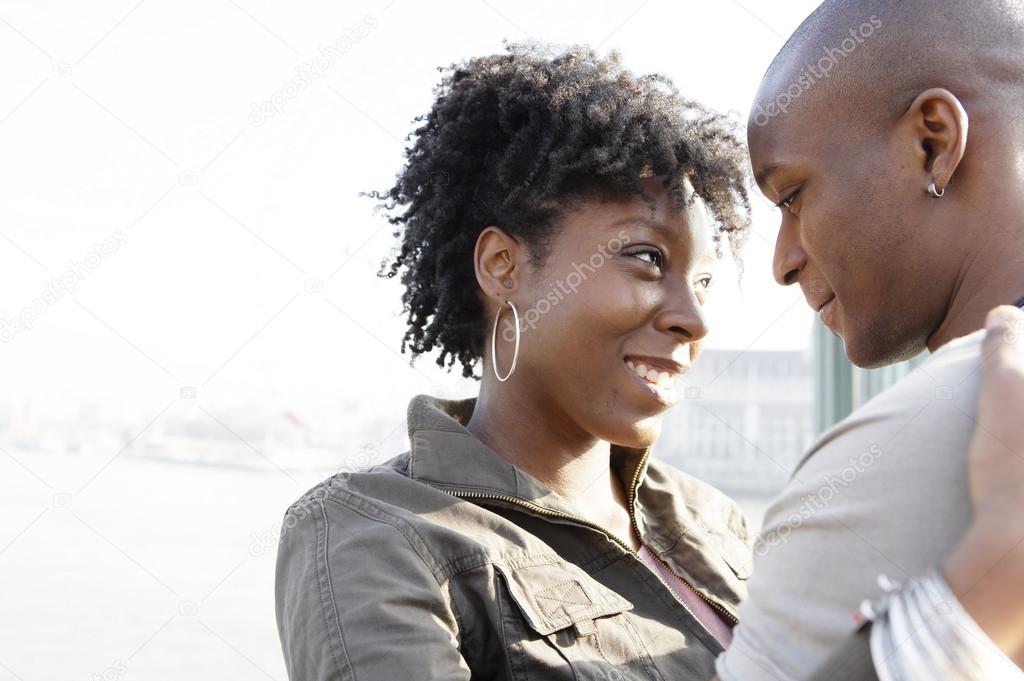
{"x":513,"y":140}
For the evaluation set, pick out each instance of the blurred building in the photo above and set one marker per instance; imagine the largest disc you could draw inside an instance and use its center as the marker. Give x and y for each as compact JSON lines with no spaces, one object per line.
{"x":743,"y":419}
{"x":746,"y":417}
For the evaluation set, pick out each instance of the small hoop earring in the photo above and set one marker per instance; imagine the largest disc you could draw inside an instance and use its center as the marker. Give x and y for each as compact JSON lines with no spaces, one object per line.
{"x":935,"y":192}
{"x":494,"y":336}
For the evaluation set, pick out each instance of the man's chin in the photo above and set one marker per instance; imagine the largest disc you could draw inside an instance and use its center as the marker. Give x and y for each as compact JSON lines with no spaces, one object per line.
{"x":873,"y":351}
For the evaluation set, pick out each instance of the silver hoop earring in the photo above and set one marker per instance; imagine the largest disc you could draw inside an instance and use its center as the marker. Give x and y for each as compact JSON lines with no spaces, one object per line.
{"x":935,"y":192}
{"x":494,"y":337}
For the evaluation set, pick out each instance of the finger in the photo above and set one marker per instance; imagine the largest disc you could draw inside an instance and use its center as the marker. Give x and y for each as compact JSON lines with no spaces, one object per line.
{"x":1003,"y":347}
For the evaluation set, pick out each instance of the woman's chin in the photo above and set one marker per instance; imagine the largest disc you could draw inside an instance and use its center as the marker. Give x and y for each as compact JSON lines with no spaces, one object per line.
{"x":639,"y":434}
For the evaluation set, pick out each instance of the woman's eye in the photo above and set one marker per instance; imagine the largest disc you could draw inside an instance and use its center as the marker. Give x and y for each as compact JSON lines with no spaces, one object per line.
{"x":704,"y":282}
{"x":655,"y":257}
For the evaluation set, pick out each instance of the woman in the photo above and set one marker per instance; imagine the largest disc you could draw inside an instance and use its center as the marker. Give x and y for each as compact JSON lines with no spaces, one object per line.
{"x":560,"y":219}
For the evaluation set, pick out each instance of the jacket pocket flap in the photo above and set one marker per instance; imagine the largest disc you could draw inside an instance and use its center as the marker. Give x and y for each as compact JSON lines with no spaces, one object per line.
{"x":556,"y":595}
{"x":738,"y":555}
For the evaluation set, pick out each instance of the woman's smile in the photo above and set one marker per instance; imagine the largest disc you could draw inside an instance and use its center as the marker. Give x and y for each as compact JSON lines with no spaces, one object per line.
{"x":657,"y":382}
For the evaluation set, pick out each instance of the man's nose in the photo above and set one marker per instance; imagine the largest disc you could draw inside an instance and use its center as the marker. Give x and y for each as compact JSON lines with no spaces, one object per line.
{"x":790,"y":257}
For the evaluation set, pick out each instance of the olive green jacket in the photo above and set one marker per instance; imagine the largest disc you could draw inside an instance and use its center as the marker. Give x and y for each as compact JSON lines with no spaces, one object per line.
{"x":448,"y":562}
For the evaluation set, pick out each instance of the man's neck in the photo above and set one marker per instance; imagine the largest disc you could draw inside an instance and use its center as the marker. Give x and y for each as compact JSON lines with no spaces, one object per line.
{"x":984,"y":285}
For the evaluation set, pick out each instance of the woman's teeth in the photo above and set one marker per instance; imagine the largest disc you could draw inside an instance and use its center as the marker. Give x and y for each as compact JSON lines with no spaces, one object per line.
{"x":662,"y":379}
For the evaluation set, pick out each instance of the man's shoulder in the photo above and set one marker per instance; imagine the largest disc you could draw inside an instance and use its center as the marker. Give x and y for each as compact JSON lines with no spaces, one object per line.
{"x":937,"y":396}
{"x":948,"y":367}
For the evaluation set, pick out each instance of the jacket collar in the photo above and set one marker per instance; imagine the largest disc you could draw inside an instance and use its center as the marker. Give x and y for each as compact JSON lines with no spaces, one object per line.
{"x":444,"y":453}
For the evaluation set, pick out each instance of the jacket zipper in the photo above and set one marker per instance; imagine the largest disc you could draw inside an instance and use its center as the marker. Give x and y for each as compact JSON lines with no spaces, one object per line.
{"x":629,"y":549}
{"x":636,"y":527}
{"x":729,"y":617}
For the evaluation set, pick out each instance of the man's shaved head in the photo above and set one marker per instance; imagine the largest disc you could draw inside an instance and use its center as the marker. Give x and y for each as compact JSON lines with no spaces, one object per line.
{"x":859,"y":127}
{"x":879,"y":55}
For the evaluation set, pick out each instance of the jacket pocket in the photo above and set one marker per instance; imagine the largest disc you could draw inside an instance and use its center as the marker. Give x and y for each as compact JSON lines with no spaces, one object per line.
{"x":564,"y":624}
{"x":737,"y":554}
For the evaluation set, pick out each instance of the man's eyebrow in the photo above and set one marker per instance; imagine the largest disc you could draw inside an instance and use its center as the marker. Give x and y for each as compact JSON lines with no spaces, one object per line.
{"x":762,"y":175}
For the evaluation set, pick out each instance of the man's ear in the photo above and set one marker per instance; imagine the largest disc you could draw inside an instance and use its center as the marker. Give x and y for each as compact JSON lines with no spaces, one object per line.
{"x":498,"y":258}
{"x":937,"y":122}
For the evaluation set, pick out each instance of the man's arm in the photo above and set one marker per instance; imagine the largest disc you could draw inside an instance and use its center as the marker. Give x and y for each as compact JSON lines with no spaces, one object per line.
{"x":985,"y":570}
{"x":851,"y":662}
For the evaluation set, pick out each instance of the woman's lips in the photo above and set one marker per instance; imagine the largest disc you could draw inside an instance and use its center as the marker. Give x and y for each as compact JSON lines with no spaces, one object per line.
{"x":661,"y":388}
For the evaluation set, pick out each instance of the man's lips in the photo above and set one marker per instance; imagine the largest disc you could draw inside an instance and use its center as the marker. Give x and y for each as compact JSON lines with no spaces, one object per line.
{"x":821,"y":298}
{"x":823,"y":303}
{"x":827,"y":313}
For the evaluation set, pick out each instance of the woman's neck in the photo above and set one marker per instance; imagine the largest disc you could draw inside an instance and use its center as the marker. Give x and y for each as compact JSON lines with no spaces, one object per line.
{"x":542,"y":440}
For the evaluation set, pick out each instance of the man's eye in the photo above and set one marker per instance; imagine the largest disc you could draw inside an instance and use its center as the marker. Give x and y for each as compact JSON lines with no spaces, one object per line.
{"x":705,"y":282}
{"x":788,"y":201}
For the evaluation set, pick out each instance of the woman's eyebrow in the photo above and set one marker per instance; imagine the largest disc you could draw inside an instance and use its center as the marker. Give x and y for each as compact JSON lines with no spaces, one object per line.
{"x":654,"y":225}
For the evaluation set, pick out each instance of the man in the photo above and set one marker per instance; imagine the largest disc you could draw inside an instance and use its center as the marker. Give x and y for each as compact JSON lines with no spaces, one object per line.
{"x":890,"y":135}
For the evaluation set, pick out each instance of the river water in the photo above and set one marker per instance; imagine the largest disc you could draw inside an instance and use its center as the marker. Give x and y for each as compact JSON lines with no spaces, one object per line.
{"x":134,"y":568}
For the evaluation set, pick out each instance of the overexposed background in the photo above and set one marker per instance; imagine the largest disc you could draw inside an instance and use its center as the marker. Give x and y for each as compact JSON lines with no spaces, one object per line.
{"x":220,"y":341}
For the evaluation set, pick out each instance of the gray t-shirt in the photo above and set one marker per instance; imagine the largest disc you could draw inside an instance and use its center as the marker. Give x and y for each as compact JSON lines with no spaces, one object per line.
{"x":882,"y":492}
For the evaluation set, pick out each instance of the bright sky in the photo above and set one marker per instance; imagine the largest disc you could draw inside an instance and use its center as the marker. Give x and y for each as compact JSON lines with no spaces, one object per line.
{"x":131,"y":122}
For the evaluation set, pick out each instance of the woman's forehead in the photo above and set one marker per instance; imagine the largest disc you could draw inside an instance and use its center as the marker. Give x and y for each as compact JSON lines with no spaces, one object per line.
{"x":597,"y":219}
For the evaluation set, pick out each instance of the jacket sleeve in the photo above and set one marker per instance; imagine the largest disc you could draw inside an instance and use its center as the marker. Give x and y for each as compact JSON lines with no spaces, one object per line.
{"x":356,"y":598}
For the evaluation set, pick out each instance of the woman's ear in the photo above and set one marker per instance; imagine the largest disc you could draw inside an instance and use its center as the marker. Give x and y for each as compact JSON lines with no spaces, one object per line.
{"x":936,"y":122}
{"x":497,"y":260}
